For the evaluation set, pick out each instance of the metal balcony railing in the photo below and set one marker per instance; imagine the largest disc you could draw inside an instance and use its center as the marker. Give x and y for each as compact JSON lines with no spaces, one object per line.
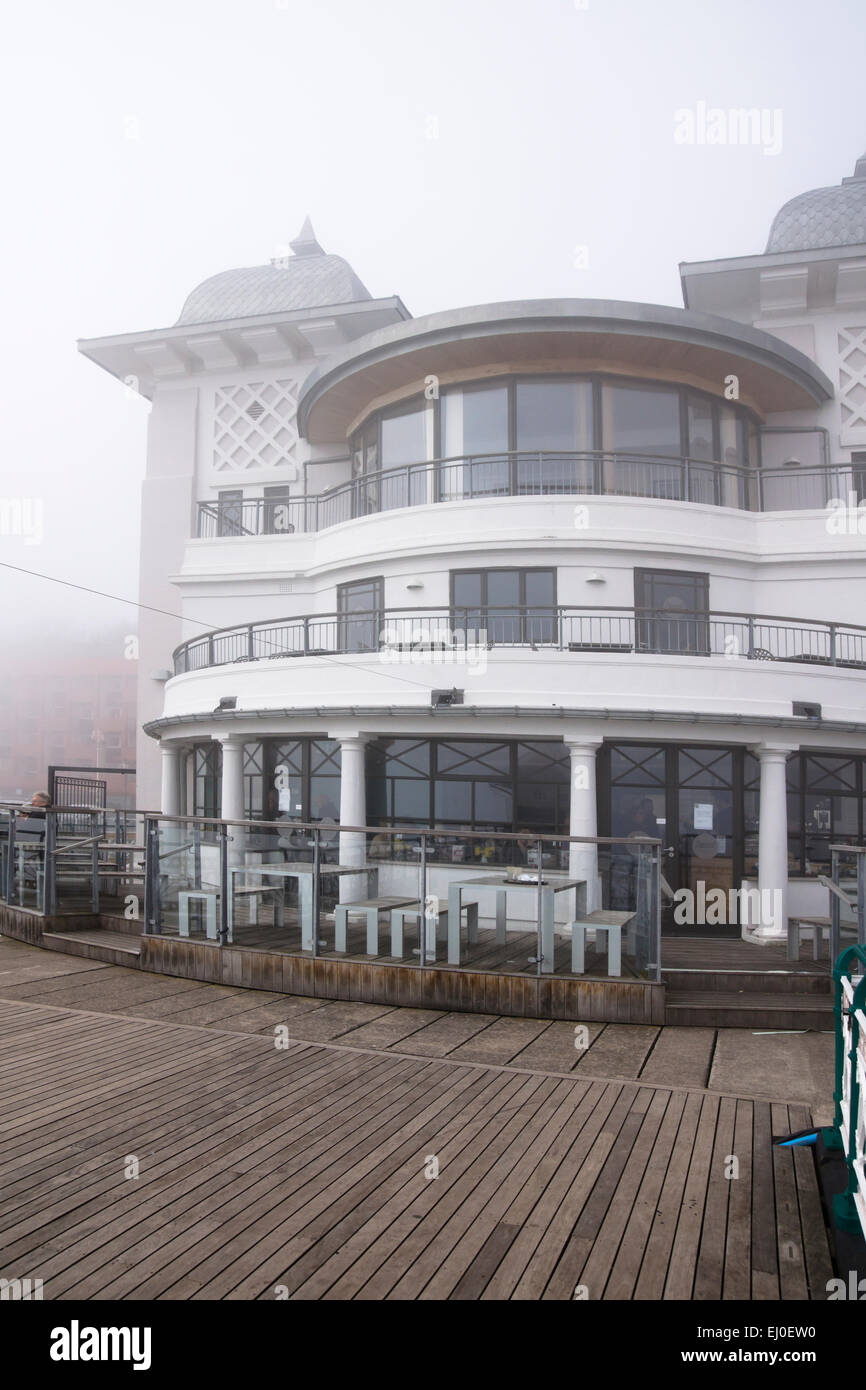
{"x":438,"y":634}
{"x":583,"y":474}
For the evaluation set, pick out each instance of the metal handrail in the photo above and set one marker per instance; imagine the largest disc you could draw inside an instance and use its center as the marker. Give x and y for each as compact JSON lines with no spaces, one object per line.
{"x":562,"y":627}
{"x":467,"y":477}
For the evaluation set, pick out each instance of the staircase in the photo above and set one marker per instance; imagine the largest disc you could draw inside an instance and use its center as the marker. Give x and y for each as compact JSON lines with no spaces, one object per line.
{"x":757,"y":999}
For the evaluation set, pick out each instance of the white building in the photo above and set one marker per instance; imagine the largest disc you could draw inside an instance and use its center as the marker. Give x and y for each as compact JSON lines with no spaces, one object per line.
{"x":609,"y":527}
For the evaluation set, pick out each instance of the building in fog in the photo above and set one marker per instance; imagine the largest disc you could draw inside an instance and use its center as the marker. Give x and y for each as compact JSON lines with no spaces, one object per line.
{"x":548,"y":564}
{"x":66,"y":710}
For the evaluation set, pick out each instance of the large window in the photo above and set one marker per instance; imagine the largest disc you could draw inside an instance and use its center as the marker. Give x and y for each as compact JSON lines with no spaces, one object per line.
{"x":207,"y":765}
{"x":644,"y":423}
{"x":540,"y":434}
{"x":475,"y":428}
{"x":556,"y":419}
{"x":469,"y":784}
{"x":672,"y":611}
{"x":360,"y":608}
{"x":295,"y":779}
{"x":405,"y":441}
{"x":825,"y":806}
{"x":510,"y":606}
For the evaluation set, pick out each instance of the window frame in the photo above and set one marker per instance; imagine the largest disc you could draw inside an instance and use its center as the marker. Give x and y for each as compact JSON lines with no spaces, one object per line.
{"x":648,"y":633}
{"x":524,"y":617}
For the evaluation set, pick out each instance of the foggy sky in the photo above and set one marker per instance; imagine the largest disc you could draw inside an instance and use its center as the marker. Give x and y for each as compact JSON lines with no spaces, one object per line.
{"x":455,"y":153}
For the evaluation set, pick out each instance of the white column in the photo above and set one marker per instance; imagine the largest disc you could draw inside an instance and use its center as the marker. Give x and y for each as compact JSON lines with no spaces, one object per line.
{"x":232,"y":791}
{"x":771,"y":922}
{"x":170,"y":797}
{"x":583,"y":818}
{"x":353,"y":811}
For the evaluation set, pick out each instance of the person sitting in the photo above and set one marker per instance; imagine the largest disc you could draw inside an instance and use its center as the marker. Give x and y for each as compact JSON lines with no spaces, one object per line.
{"x":36,"y":807}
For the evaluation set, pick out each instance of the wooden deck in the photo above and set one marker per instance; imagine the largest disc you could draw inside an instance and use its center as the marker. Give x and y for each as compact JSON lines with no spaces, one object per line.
{"x":263,"y":1170}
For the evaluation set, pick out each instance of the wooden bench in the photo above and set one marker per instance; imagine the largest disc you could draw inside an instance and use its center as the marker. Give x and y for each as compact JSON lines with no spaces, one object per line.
{"x":602,"y":920}
{"x":368,"y":908}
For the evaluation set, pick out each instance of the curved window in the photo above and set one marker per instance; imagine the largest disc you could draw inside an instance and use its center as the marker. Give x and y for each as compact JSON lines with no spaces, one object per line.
{"x":555,"y":418}
{"x":475,"y":430}
{"x":555,"y":434}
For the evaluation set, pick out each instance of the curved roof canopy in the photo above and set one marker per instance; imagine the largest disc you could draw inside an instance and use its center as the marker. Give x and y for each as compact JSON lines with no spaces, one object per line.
{"x":823,"y":217}
{"x":577,"y":335}
{"x":309,"y":278}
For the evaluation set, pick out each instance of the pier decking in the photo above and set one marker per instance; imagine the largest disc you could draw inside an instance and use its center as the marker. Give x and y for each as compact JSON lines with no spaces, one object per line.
{"x":304,"y":1171}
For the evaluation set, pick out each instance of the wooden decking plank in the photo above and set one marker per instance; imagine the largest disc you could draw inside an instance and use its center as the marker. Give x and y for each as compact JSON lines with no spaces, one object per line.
{"x":349,"y":1250}
{"x":681,"y":1270}
{"x":419,"y":1259}
{"x":150,"y":1221}
{"x":737,"y":1279}
{"x":789,"y":1235}
{"x":305,"y":1167}
{"x":629,"y":1258}
{"x":311,"y":1081}
{"x":253,"y":1211}
{"x":710,"y":1267}
{"x":388,"y":1221}
{"x":150,"y":1099}
{"x":819,"y":1265}
{"x":592,"y":1247}
{"x":395,"y":1252}
{"x":516,"y":1176}
{"x":765,"y":1272}
{"x":63,"y":1117}
{"x":266,"y":1244}
{"x":539,"y":1268}
{"x":558,"y":1171}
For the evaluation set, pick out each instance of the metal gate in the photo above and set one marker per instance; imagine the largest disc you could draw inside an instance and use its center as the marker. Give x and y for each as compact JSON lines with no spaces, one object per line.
{"x":79,"y":791}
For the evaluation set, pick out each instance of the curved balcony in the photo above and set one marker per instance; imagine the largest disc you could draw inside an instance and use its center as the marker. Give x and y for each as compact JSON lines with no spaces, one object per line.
{"x":593,"y":473}
{"x":436,"y":633}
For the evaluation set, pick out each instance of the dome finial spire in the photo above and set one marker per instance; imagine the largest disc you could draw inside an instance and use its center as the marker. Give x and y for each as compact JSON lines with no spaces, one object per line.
{"x":305,"y":243}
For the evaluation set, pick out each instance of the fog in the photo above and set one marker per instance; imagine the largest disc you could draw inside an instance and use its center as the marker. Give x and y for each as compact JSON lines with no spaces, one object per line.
{"x":456,"y":153}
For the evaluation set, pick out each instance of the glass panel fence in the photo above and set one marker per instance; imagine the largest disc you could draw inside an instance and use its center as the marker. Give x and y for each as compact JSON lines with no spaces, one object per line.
{"x":525,"y":902}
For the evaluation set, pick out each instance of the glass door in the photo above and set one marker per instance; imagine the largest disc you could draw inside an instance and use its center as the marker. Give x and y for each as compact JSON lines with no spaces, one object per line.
{"x":706,"y":847}
{"x":690,"y":798}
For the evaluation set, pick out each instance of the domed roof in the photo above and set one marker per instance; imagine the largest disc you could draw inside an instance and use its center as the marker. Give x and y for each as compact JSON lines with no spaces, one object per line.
{"x":308,"y":279}
{"x":823,"y":217}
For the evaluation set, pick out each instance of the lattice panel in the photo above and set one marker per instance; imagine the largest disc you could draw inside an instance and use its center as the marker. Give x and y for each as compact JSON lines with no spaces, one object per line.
{"x":255,"y":426}
{"x":852,"y":376}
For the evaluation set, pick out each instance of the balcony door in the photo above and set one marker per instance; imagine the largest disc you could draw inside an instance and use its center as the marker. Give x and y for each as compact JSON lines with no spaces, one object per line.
{"x":512,"y":607}
{"x":360,"y":615}
{"x":672,"y":611}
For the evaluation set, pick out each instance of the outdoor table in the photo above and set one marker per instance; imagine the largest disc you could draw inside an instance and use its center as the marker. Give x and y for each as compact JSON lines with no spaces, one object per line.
{"x":501,"y":886}
{"x":303,"y":872}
